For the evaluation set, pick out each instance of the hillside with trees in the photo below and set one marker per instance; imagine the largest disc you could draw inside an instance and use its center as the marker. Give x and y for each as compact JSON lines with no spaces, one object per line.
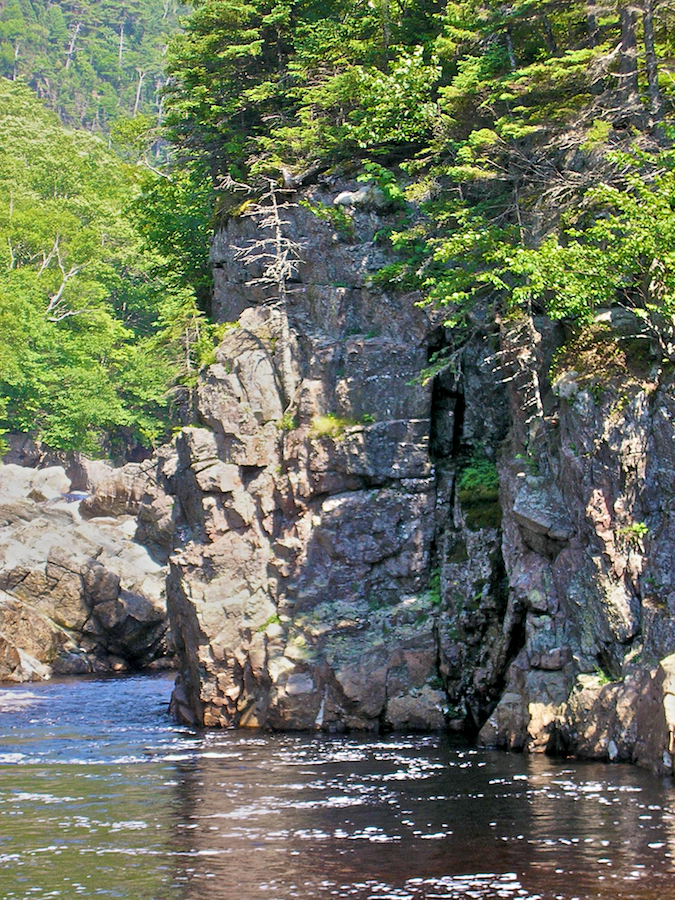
{"x":527,"y":143}
{"x":526,"y":146}
{"x":101,"y":330}
{"x":91,"y":62}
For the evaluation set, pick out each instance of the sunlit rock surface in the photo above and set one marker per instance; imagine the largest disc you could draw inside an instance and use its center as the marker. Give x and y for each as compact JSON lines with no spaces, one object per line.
{"x":332,"y":570}
{"x":76,"y":595}
{"x":307,"y":591}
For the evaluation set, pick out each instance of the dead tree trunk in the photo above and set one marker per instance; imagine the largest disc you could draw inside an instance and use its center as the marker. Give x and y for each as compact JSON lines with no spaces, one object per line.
{"x":655,"y":98}
{"x":551,"y":42}
{"x":628,"y":68}
{"x":71,"y":48}
{"x":279,"y":255}
{"x":139,"y":88}
{"x":510,"y":50}
{"x":592,"y":22}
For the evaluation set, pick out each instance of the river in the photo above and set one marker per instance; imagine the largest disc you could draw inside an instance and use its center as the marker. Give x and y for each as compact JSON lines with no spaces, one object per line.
{"x":103,"y":795}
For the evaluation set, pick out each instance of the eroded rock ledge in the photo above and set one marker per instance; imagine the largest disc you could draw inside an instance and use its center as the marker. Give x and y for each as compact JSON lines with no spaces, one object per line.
{"x":77,"y":593}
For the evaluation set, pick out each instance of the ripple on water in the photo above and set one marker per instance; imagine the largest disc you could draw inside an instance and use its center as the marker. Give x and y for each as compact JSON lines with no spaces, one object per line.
{"x":101,"y":794}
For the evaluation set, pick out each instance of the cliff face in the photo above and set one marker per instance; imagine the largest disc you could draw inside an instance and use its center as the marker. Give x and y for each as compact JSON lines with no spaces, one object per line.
{"x":343,"y":562}
{"x":301,"y":593}
{"x":587,"y":541}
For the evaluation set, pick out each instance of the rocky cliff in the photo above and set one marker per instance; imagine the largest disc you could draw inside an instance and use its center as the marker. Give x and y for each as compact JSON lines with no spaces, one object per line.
{"x":329,"y":576}
{"x":359,"y":550}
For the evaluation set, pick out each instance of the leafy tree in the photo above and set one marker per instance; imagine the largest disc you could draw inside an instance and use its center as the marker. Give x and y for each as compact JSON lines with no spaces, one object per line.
{"x":621,"y":250}
{"x":86,"y":309}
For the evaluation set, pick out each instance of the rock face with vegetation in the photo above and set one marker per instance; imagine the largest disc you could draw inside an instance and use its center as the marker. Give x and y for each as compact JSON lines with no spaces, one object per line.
{"x":587,"y":542}
{"x":384,"y":514}
{"x":301,"y":597}
{"x":360,"y":550}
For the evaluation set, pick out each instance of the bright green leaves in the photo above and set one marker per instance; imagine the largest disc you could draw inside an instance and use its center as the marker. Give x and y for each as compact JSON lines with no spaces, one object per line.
{"x":395,"y":107}
{"x":621,"y":250}
{"x":265,"y":84}
{"x":467,"y":255}
{"x":86,"y":308}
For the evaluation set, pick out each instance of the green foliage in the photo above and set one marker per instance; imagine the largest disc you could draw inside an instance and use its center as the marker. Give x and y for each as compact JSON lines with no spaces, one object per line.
{"x":256,"y":85}
{"x":271,"y":620}
{"x":633,"y":533}
{"x":478,"y":492}
{"x":173,"y":212}
{"x":94,"y":63}
{"x":434,"y":589}
{"x":331,"y":425}
{"x":385,"y":180}
{"x":336,"y":215}
{"x":619,"y":249}
{"x":597,"y":134}
{"x":604,"y":678}
{"x":465,"y":96}
{"x":478,"y":481}
{"x":288,"y":422}
{"x":93,"y":335}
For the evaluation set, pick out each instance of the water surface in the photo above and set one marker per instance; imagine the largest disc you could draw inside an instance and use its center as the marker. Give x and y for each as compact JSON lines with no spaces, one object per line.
{"x":102,"y":795}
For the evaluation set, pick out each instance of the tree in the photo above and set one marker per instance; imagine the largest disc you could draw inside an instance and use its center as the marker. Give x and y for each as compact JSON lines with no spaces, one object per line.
{"x":87,"y":350}
{"x":278,"y":255}
{"x":82,"y":56}
{"x":655,"y":98}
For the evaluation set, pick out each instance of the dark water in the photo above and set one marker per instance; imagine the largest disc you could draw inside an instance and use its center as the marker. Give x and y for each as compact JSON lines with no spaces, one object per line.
{"x":101,"y":795}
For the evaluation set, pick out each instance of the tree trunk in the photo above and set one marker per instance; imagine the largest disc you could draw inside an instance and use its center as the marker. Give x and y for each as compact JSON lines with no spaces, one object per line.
{"x":655,"y":99}
{"x":511,"y":52}
{"x":386,"y":30}
{"x":139,"y":88}
{"x":121,"y":46}
{"x":551,"y":42}
{"x":628,"y":70}
{"x":71,"y":49}
{"x":592,"y":22}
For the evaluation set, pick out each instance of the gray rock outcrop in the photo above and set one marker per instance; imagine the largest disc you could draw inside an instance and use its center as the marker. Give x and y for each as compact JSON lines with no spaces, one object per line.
{"x":76,"y":595}
{"x":299,"y":598}
{"x":489,"y":551}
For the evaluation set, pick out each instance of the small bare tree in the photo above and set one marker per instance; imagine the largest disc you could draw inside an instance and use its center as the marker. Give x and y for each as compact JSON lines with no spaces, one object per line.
{"x":279,"y":255}
{"x":58,"y":307}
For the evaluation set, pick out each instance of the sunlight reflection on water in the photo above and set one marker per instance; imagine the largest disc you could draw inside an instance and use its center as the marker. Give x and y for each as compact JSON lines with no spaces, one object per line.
{"x":102,"y":795}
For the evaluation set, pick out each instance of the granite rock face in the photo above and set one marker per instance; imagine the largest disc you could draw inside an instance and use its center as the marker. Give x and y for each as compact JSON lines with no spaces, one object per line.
{"x":344,"y":559}
{"x":327,"y":577}
{"x":586,"y":492}
{"x":76,"y":595}
{"x":300,"y":596}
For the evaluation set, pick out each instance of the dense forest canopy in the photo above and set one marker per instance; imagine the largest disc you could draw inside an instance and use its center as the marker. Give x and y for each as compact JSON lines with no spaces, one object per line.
{"x":97,"y":322}
{"x":285,"y":82}
{"x":524,"y":137}
{"x":524,"y":146}
{"x":93,"y":61}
